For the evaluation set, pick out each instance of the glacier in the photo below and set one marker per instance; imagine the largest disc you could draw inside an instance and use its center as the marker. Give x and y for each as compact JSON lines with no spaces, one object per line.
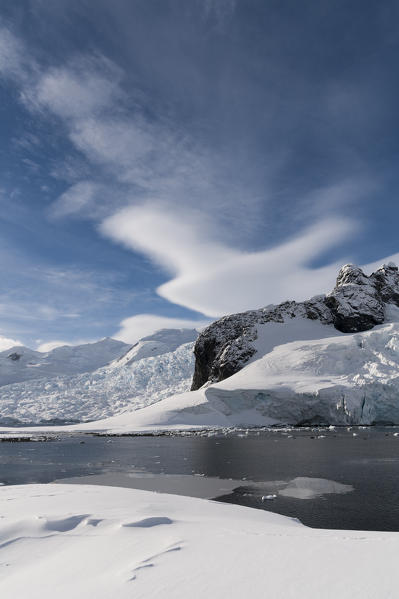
{"x":156,"y":367}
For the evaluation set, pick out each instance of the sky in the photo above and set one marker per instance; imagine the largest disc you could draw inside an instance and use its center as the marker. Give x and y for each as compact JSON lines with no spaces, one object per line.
{"x":166,"y":162}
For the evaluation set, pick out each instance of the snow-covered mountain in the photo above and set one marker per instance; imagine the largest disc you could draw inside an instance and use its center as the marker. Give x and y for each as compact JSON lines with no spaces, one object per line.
{"x":154,"y":368}
{"x":331,"y":360}
{"x":357,"y":303}
{"x":22,"y":364}
{"x":162,"y":342}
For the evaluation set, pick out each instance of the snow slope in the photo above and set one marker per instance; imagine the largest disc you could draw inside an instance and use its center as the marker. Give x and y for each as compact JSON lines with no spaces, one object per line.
{"x":322,"y":377}
{"x":303,"y":372}
{"x":334,"y":379}
{"x":87,"y":541}
{"x":154,"y":368}
{"x":22,"y":364}
{"x":162,"y":342}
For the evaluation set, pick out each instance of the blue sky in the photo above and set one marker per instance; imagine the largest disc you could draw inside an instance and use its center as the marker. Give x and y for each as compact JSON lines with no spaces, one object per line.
{"x":165,"y":162}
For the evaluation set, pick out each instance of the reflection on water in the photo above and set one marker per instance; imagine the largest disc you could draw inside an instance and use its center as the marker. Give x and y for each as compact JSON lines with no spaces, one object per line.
{"x":210,"y":487}
{"x":177,"y":484}
{"x":328,"y":479}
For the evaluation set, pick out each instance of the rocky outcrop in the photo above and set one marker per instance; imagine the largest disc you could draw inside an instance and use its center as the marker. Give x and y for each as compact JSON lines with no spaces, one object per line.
{"x":357,"y":303}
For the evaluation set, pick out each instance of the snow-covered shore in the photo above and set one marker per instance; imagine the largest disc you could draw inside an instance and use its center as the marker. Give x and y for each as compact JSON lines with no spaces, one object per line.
{"x":87,"y":541}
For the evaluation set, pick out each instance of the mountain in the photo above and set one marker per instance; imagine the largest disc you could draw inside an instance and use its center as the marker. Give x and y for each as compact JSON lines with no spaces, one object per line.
{"x":154,"y":368}
{"x":161,"y":342}
{"x":357,"y":303}
{"x":20,"y":363}
{"x":332,"y":360}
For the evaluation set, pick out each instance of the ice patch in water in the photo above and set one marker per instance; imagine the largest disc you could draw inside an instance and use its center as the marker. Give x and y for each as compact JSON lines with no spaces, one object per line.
{"x":304,"y":487}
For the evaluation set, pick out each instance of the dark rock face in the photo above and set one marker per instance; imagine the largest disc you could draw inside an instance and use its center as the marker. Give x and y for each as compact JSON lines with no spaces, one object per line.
{"x":357,"y":303}
{"x":224,"y":347}
{"x":386,"y":281}
{"x":214,"y":347}
{"x":14,"y":356}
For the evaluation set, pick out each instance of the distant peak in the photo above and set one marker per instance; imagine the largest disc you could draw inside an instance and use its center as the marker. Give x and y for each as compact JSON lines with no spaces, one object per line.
{"x":389,"y":266}
{"x":351,"y":274}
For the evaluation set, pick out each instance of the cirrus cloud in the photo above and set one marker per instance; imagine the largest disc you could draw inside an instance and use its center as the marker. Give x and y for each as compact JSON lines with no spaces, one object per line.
{"x":133,"y":153}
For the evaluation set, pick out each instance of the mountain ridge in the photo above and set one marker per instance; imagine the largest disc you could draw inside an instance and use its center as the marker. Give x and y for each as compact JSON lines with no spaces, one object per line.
{"x":356,"y":304}
{"x":20,"y":363}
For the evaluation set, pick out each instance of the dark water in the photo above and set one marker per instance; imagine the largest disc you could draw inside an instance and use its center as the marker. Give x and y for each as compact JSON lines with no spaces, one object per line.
{"x":260,"y":464}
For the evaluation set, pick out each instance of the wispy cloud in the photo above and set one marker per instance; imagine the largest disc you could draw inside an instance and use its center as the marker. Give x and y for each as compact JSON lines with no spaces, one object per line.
{"x":81,"y":89}
{"x":6,"y":343}
{"x":212,"y":278}
{"x":50,"y":345}
{"x":12,"y":56}
{"x":134,"y":328}
{"x":58,"y":302}
{"x":191,"y":207}
{"x":79,"y":199}
{"x":140,"y":155}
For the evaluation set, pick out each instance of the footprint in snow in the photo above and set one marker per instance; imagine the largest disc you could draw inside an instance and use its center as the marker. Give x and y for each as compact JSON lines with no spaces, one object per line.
{"x":148,"y":563}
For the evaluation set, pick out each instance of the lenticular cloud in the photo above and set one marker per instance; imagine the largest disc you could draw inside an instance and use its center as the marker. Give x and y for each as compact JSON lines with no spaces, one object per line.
{"x":214,"y":279}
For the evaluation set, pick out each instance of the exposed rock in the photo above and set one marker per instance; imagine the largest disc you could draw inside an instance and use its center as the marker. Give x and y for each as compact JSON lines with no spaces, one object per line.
{"x":357,"y":303}
{"x":386,"y":281}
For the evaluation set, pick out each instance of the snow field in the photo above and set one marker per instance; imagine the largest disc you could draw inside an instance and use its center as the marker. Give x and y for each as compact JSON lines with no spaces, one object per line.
{"x":87,"y":541}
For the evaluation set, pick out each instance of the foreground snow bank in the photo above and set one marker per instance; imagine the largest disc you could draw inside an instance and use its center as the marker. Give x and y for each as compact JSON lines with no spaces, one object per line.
{"x":86,"y":541}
